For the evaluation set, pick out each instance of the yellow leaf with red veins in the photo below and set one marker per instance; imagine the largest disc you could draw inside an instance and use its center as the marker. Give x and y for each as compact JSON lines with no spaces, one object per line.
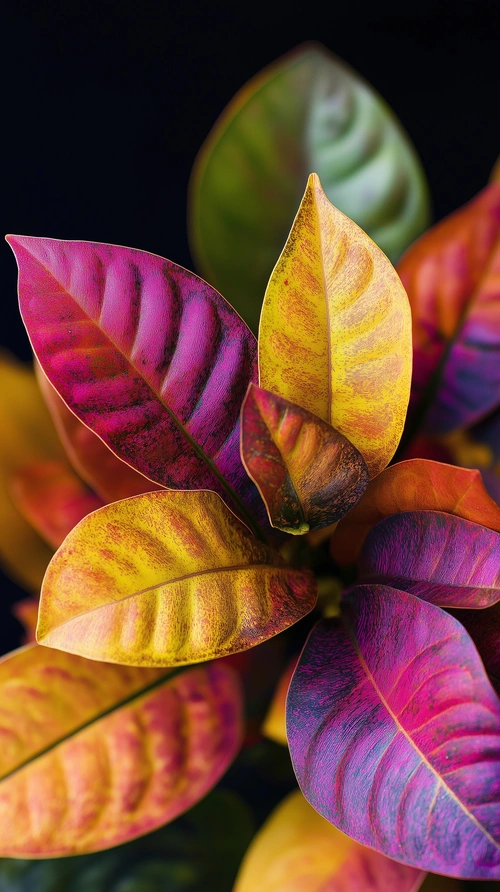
{"x":335,"y":330}
{"x":93,"y":755}
{"x":299,"y":851}
{"x":27,"y":435}
{"x":165,"y":579}
{"x":414,"y":485}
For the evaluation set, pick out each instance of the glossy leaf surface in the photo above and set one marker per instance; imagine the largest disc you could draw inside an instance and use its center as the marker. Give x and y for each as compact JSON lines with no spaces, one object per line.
{"x":335,"y":330}
{"x":444,"y":559}
{"x":27,"y":435}
{"x":308,"y":474}
{"x":167,"y":578}
{"x":414,"y":485}
{"x":199,"y":851}
{"x":308,"y":111}
{"x":298,"y":851}
{"x":399,"y":745}
{"x":52,"y":498}
{"x":104,"y":472}
{"x":146,"y":354}
{"x":452,"y":278}
{"x":94,"y":754}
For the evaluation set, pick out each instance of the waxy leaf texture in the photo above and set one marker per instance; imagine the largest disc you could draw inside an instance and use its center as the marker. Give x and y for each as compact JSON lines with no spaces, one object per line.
{"x":146,"y":354}
{"x":52,"y":499}
{"x":94,"y":755}
{"x":27,"y":435}
{"x":414,"y":485}
{"x":452,"y":277}
{"x":335,"y":330}
{"x":298,"y":851}
{"x":308,"y":111}
{"x":444,"y":559}
{"x":104,"y":472}
{"x":398,"y":745}
{"x":164,"y":579}
{"x":308,"y":474}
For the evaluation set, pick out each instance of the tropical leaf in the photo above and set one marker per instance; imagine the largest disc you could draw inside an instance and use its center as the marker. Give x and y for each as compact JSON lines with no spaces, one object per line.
{"x":298,"y":851}
{"x":399,"y":745}
{"x":27,"y":435}
{"x":308,"y":474}
{"x":101,"y":469}
{"x":52,"y":499}
{"x":444,"y":559}
{"x":94,"y":755}
{"x":165,"y":579}
{"x":146,"y":354}
{"x":308,"y":111}
{"x":451,"y":275}
{"x":199,"y":852}
{"x":417,"y":484}
{"x":335,"y":330}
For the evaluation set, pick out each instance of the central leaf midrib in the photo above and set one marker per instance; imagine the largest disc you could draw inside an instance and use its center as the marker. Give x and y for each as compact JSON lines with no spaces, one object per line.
{"x":199,"y":451}
{"x":169,"y":674}
{"x":401,"y":730}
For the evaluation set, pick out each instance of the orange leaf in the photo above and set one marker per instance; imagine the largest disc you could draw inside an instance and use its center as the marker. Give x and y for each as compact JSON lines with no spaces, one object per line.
{"x":93,"y":754}
{"x":414,"y":485}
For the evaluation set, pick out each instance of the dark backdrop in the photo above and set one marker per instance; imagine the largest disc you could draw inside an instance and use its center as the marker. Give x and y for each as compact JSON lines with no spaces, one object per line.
{"x":104,"y":106}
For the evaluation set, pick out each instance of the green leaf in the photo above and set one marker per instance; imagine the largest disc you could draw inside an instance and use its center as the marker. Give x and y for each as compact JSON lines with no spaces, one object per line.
{"x":307,"y":112}
{"x":200,"y":852}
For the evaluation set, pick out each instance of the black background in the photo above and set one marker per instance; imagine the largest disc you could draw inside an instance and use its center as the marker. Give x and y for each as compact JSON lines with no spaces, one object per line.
{"x":105,"y":105}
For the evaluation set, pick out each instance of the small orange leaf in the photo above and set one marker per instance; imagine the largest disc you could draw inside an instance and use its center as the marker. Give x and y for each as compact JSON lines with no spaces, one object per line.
{"x":52,"y":498}
{"x":94,"y":755}
{"x":26,"y":611}
{"x":414,"y":485}
{"x":335,"y":330}
{"x":274,"y":725}
{"x":299,"y":851}
{"x":164,"y":579}
{"x":308,"y":474}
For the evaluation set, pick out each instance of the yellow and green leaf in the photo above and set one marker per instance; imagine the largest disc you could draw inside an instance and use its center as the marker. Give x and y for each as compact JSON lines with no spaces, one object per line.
{"x":308,"y":111}
{"x":335,"y":330}
{"x":165,"y":579}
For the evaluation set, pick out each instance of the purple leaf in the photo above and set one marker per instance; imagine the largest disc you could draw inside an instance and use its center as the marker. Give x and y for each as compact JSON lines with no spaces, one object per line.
{"x":147,"y":355}
{"x":442,"y":558}
{"x":394,"y":732}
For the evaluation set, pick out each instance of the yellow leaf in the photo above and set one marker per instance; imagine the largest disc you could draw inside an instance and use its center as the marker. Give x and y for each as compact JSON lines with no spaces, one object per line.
{"x":299,"y":851}
{"x":335,"y":330}
{"x":27,"y":435}
{"x":164,"y":579}
{"x":93,"y":755}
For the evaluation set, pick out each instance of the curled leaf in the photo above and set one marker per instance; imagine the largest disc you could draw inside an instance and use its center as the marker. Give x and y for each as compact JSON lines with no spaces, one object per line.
{"x":52,"y":498}
{"x":417,"y":484}
{"x":451,"y":275}
{"x":94,"y":755}
{"x":164,"y":579}
{"x":399,"y":745}
{"x":146,"y":354}
{"x":335,"y":330}
{"x":298,"y":851}
{"x":308,"y":474}
{"x":444,"y":559}
{"x":307,"y":111}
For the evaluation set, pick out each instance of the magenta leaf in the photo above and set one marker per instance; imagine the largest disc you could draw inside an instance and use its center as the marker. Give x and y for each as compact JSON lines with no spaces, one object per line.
{"x":394,"y":733}
{"x":442,"y":558}
{"x":147,"y":355}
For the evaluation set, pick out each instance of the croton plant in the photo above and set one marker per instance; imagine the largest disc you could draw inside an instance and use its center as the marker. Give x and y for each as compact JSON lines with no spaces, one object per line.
{"x":206,"y":490}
